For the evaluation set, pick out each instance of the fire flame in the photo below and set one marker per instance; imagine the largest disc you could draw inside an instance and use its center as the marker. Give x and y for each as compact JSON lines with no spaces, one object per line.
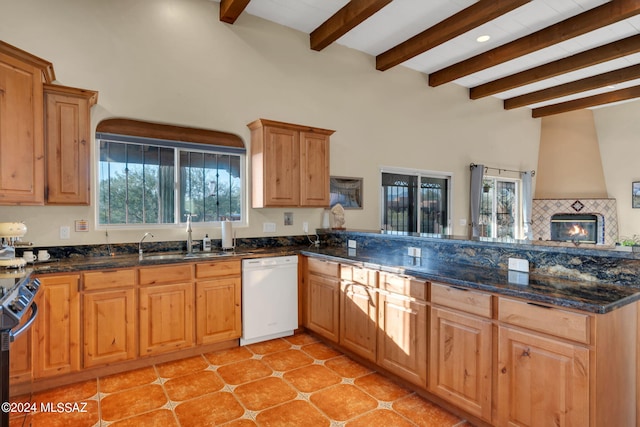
{"x":577,"y":230}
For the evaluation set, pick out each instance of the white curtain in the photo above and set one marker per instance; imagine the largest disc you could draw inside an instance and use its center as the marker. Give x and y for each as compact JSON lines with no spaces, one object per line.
{"x":477,"y":171}
{"x":527,"y":202}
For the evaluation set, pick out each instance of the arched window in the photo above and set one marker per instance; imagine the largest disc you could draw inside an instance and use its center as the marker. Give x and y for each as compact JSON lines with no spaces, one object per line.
{"x":150,"y":173}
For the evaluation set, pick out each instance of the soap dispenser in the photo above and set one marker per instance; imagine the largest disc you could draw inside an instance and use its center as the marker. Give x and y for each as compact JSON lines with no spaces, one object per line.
{"x":206,"y":243}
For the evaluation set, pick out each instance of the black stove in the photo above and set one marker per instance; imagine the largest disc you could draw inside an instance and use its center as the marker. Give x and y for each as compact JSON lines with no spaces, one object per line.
{"x":17,"y":293}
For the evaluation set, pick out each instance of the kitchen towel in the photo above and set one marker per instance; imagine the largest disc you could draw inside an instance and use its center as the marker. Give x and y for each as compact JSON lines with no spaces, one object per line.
{"x":227,"y":234}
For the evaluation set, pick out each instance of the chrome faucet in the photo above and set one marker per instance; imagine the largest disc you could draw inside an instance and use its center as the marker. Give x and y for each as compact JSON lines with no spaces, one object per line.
{"x":140,"y":244}
{"x":189,"y":238}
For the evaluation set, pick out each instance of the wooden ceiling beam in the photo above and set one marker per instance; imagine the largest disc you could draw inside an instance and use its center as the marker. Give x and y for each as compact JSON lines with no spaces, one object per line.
{"x":231,"y":9}
{"x":473,"y":16}
{"x":351,"y":15}
{"x":571,"y":88}
{"x":589,"y":101}
{"x":598,"y":17}
{"x":607,"y":52}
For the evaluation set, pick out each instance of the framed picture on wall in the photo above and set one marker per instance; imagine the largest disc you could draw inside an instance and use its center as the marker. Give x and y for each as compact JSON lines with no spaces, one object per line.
{"x":346,"y":191}
{"x":635,"y":194}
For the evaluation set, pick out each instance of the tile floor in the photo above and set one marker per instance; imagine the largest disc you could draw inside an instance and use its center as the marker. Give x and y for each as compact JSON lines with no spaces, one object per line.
{"x":293,"y":381}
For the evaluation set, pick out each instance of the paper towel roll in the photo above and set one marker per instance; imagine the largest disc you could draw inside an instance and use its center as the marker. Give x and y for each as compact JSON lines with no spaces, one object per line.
{"x":227,"y":235}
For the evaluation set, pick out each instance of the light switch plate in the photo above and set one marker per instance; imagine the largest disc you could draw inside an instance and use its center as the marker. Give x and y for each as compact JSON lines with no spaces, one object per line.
{"x":352,"y":244}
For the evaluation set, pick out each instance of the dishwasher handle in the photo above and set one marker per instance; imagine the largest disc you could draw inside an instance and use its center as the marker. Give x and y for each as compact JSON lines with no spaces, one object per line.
{"x":270,"y":262}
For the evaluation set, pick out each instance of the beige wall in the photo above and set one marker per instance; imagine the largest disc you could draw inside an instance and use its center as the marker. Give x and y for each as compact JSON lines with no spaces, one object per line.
{"x":172,"y":61}
{"x":618,"y":128}
{"x":569,"y":164}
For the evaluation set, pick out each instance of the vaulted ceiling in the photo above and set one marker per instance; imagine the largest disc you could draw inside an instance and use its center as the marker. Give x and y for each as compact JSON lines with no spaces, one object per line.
{"x":551,"y":56}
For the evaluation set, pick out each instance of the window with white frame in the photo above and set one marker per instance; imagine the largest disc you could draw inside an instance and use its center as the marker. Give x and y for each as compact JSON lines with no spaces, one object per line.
{"x":500,"y":208}
{"x":415,"y":201}
{"x":148,"y":181}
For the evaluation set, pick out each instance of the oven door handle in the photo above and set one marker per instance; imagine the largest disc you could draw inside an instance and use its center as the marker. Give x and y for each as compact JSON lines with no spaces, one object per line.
{"x":34,"y":314}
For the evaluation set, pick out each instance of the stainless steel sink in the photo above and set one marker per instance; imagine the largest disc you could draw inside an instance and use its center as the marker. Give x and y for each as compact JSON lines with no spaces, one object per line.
{"x":197,"y":255}
{"x":157,"y":257}
{"x":216,"y":254}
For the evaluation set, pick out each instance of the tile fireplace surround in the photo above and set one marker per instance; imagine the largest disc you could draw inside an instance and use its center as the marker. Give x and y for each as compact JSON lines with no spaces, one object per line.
{"x":604,"y":209}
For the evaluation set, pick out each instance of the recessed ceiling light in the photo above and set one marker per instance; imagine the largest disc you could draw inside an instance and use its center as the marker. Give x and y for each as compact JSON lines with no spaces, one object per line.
{"x":484,"y":38}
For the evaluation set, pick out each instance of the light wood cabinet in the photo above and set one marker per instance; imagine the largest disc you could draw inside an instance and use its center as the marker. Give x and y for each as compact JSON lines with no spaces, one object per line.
{"x":109,"y":317}
{"x":323,"y":298}
{"x":541,"y":381}
{"x":562,"y":367}
{"x":290,"y":165}
{"x":166,"y":318}
{"x":67,"y":142}
{"x":218,"y":301}
{"x":21,"y":351}
{"x":402,"y":336}
{"x":22,"y":167}
{"x":359,"y":311}
{"x":57,"y":327}
{"x":460,"y":348}
{"x":460,"y":361}
{"x":109,"y":320}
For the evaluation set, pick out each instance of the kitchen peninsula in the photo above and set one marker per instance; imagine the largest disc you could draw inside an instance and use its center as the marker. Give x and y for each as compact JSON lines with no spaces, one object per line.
{"x":448,"y":323}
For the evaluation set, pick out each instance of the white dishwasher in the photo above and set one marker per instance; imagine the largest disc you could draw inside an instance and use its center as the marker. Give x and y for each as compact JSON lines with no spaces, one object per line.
{"x":269,"y":298}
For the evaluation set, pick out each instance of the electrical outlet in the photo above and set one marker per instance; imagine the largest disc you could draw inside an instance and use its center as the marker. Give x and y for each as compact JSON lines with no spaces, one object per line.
{"x":417,"y":252}
{"x":269,"y":227}
{"x":518,"y":264}
{"x":305,"y":227}
{"x":65,"y":232}
{"x":352,"y":244}
{"x":414,"y":252}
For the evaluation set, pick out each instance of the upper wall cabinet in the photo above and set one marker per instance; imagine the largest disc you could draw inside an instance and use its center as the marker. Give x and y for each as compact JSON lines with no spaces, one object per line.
{"x":68,"y":137}
{"x":290,"y":165}
{"x":21,"y":126}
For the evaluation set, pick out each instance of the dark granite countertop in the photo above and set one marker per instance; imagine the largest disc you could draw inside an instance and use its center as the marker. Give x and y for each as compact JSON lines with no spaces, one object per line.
{"x":593,"y":297}
{"x":80,"y":263}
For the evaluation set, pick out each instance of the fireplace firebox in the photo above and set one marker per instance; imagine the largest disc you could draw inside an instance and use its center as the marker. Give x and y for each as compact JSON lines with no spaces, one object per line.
{"x":574,"y":228}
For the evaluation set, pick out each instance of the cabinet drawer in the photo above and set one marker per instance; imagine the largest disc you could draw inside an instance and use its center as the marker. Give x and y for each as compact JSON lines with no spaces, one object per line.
{"x":404,"y":285}
{"x":108,"y":279}
{"x":167,"y":274}
{"x":218,"y":269}
{"x":550,"y":320}
{"x":325,"y":268}
{"x":469,"y":301}
{"x":363,"y":276}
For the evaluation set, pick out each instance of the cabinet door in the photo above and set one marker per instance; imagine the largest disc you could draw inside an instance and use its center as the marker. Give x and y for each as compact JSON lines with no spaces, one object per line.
{"x":67,"y":137}
{"x":166,"y":318}
{"x":58,"y":327}
{"x":402,"y":337}
{"x":281,"y":167}
{"x":323,"y":308}
{"x":314,"y":169}
{"x":109,"y":327}
{"x":359,"y":319}
{"x":541,"y":381}
{"x":21,"y":133}
{"x":218,"y":310}
{"x":460,"y":360}
{"x":21,"y":354}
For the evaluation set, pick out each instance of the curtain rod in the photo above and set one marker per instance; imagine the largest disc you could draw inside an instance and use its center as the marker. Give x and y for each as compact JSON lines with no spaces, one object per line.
{"x":500,"y":170}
